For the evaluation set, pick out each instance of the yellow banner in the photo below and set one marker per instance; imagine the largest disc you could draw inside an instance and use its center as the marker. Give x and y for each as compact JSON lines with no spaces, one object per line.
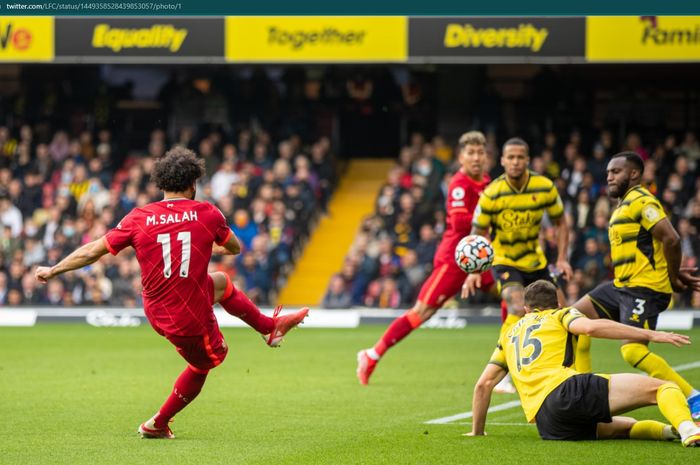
{"x":24,"y":38}
{"x":317,"y":38}
{"x":643,"y":38}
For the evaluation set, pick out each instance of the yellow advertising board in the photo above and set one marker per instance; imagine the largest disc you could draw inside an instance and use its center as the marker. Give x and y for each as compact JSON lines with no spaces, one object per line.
{"x":643,"y":38}
{"x":316,"y":38}
{"x":24,"y":38}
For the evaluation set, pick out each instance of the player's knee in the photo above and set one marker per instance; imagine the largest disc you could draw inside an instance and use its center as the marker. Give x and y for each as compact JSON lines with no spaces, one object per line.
{"x":423,"y":312}
{"x":214,"y":359}
{"x":634,"y":352}
{"x":667,"y":388}
{"x":219,"y":279}
{"x":514,"y":298}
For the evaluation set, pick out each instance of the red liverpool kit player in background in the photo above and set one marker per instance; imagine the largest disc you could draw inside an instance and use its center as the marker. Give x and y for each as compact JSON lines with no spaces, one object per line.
{"x":173,"y":240}
{"x":447,"y":278}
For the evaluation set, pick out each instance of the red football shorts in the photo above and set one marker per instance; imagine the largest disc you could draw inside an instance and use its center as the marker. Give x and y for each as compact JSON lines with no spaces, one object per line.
{"x":446,"y":281}
{"x":204,"y":350}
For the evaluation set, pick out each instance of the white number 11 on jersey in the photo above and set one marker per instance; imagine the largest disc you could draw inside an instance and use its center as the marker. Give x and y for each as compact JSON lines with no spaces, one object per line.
{"x":186,"y":239}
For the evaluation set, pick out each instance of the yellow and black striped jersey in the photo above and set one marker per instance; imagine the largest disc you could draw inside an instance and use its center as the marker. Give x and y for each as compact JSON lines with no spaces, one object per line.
{"x":637,"y":257}
{"x":514,"y":217}
{"x":538,"y":351}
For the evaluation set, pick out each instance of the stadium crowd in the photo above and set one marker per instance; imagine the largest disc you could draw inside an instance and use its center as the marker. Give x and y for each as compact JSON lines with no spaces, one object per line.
{"x":61,"y":191}
{"x":392,"y":254}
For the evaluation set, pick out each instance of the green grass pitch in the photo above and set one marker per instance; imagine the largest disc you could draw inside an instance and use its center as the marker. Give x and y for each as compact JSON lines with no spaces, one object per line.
{"x":74,"y":394}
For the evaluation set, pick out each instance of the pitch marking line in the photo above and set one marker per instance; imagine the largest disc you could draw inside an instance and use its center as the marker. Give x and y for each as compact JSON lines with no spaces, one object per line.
{"x":516,"y":403}
{"x":465,"y":415}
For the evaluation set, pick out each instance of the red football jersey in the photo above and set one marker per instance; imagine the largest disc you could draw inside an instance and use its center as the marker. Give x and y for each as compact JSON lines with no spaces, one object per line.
{"x":173,"y":242}
{"x":462,"y":196}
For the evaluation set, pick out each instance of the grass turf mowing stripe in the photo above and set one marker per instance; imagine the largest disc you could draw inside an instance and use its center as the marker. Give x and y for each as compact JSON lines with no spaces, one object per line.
{"x":516,"y":403}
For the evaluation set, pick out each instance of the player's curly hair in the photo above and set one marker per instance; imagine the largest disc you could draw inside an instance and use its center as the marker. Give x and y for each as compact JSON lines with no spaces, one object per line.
{"x":177,"y":170}
{"x":541,"y":295}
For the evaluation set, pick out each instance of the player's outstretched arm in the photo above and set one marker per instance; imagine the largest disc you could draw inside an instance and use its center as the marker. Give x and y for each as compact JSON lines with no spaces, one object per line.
{"x":83,"y":256}
{"x":473,"y":280}
{"x":608,"y":329}
{"x":491,"y":375}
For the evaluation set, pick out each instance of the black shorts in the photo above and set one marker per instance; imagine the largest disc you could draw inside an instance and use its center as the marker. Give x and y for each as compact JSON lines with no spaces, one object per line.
{"x":573,"y":410}
{"x":633,"y":306}
{"x":508,"y":275}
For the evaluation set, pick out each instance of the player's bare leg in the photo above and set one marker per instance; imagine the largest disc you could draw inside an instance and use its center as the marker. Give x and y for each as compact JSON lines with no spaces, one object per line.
{"x":630,"y":428}
{"x":631,"y":391}
{"x":273,"y":329}
{"x":401,"y":327}
{"x":514,"y":297}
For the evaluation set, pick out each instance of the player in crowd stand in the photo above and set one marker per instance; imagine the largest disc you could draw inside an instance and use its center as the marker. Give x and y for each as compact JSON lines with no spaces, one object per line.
{"x":646,"y":257}
{"x":512,"y":207}
{"x":565,"y":404}
{"x":446,"y":279}
{"x":173,"y":240}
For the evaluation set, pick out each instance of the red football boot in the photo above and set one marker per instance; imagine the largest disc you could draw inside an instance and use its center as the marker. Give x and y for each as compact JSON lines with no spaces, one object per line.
{"x":365,"y":367}
{"x":283,"y":324}
{"x":148,"y":430}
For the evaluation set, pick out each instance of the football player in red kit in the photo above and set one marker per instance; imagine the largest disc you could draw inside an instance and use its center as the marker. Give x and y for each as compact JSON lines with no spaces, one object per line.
{"x":447,"y":278}
{"x":173,"y":240}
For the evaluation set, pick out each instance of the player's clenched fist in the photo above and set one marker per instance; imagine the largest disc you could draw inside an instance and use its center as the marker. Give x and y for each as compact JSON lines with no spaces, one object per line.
{"x":43,"y":274}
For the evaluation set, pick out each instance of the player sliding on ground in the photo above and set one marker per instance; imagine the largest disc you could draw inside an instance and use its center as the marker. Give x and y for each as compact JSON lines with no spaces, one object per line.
{"x":173,"y":240}
{"x":646,"y":257}
{"x":446,"y":279}
{"x":539,"y":350}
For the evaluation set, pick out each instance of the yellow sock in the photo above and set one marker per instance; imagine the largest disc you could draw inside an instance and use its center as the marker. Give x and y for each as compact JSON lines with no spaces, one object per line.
{"x":583,"y":354}
{"x":639,"y":356}
{"x":510,"y":321}
{"x":648,"y":429}
{"x":672,"y":404}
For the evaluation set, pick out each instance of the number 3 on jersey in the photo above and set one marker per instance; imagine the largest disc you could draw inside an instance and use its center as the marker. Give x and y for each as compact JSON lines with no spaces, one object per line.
{"x":528,"y":340}
{"x":186,"y":239}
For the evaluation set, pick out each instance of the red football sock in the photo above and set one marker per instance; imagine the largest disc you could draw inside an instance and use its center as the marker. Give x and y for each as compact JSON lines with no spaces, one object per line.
{"x":504,"y":311}
{"x":187,"y":387}
{"x":239,"y":305}
{"x":397,"y":330}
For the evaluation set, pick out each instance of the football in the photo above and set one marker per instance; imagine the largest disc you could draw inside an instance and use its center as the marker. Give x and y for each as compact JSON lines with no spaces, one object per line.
{"x":474,"y":254}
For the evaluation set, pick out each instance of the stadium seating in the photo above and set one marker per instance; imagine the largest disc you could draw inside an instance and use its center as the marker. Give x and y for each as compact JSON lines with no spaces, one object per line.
{"x":59,"y":192}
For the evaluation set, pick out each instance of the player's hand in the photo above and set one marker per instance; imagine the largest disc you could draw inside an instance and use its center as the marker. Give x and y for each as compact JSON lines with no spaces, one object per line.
{"x":677,"y":340}
{"x":685,"y":274}
{"x":677,"y":284}
{"x":471,"y":284}
{"x":566,"y":271}
{"x":43,"y":274}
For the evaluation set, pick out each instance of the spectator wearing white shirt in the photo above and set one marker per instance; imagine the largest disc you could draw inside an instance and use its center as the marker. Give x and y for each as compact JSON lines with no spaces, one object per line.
{"x":221,"y":180}
{"x":10,"y":215}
